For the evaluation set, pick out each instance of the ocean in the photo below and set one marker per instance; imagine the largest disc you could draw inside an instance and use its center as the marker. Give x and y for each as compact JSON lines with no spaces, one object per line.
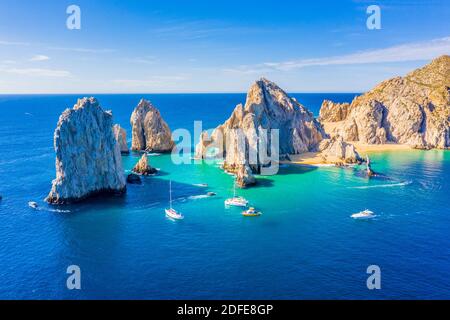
{"x":304,"y":246}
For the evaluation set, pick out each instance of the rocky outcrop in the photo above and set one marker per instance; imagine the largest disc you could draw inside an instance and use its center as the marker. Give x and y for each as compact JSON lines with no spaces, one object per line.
{"x":336,"y":150}
{"x":133,"y":178}
{"x":143,"y":166}
{"x":149,"y":131}
{"x":333,"y":112}
{"x":412,"y":110}
{"x":244,"y":176}
{"x":242,"y":139}
{"x":88,"y":159}
{"x":121,"y":137}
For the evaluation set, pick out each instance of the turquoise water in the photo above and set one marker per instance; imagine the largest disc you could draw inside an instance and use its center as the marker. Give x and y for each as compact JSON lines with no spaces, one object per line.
{"x":304,"y":246}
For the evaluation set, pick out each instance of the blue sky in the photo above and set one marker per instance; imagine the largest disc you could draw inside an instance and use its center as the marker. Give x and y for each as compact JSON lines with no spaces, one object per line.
{"x":214,"y":46}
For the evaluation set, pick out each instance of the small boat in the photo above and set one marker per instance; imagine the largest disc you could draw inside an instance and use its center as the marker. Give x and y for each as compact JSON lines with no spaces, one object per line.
{"x":251,"y":212}
{"x":211,"y":194}
{"x":32,"y":204}
{"x":201,"y":185}
{"x":236,"y":201}
{"x":171,"y":212}
{"x":366,"y":214}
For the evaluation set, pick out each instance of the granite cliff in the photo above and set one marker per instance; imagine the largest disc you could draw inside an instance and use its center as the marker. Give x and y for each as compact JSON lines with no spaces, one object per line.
{"x":88,"y":159}
{"x":412,"y":110}
{"x":121,"y":137}
{"x":267,"y":107}
{"x":149,"y":130}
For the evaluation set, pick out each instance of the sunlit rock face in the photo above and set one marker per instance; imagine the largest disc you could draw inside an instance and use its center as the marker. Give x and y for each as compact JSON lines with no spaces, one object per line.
{"x":143,"y":166}
{"x":244,"y":176}
{"x":121,"y":137}
{"x":88,"y":159}
{"x":149,"y":130}
{"x":336,"y":150}
{"x":242,"y":136}
{"x":412,"y":110}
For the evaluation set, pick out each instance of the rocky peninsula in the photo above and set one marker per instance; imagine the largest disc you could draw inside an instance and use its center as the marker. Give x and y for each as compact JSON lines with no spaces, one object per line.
{"x":413,"y":110}
{"x":268,"y":107}
{"x":88,"y":159}
{"x":149,"y":130}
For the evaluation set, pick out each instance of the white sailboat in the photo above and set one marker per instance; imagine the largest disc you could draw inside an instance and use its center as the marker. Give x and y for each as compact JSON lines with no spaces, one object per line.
{"x":236,"y":201}
{"x":171,"y":212}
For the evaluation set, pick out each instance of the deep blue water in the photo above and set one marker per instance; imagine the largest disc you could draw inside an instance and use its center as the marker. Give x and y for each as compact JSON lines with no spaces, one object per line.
{"x":304,"y":246}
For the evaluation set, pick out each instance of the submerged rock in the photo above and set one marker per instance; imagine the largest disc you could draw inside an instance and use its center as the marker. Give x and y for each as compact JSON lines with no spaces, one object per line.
{"x":244,"y":176}
{"x":149,"y":131}
{"x":143,"y":166}
{"x":267,"y":107}
{"x":336,"y":150}
{"x":88,"y":160}
{"x":133,"y":178}
{"x":412,"y":110}
{"x":121,"y":136}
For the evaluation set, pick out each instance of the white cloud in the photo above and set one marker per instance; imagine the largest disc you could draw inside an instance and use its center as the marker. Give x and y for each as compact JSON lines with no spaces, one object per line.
{"x":13,"y":43}
{"x":8,"y":62}
{"x":417,"y":51}
{"x":39,"y":57}
{"x":143,"y":60}
{"x":82,"y":50}
{"x":155,"y":81}
{"x":37,"y":72}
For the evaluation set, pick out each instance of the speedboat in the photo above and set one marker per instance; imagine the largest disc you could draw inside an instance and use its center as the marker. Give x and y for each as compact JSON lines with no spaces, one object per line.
{"x":236,"y":201}
{"x":201,"y":185}
{"x":366,"y":214}
{"x":211,"y":194}
{"x":171,"y":212}
{"x":32,"y":204}
{"x":251,"y":212}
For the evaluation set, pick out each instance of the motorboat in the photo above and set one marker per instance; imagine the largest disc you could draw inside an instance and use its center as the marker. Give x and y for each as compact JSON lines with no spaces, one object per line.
{"x":251,"y":212}
{"x":366,"y":214}
{"x":33,"y":204}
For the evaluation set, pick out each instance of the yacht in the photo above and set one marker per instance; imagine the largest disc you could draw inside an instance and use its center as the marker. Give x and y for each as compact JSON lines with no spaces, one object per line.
{"x":366,"y":214}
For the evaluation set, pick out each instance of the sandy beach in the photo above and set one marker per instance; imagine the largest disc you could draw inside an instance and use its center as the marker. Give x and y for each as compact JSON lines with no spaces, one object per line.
{"x":315,"y":158}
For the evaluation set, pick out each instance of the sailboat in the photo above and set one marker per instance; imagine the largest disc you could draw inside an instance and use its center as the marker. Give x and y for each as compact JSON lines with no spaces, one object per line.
{"x":171,"y":212}
{"x":236,"y":201}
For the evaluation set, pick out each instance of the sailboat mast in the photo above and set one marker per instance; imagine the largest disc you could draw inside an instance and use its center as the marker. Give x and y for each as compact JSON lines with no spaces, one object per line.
{"x":170,"y":193}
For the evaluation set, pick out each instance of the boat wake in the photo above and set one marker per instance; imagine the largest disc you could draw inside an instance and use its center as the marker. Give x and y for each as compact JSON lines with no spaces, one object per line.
{"x":51,"y":210}
{"x":201,"y":185}
{"x":201,"y":196}
{"x":390,"y":185}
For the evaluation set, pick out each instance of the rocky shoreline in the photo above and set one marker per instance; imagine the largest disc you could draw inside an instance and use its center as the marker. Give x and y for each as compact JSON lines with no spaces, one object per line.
{"x":403,"y":112}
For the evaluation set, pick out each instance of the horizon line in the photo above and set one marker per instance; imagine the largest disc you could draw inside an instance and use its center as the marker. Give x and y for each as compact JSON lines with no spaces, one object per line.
{"x":143,"y":93}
